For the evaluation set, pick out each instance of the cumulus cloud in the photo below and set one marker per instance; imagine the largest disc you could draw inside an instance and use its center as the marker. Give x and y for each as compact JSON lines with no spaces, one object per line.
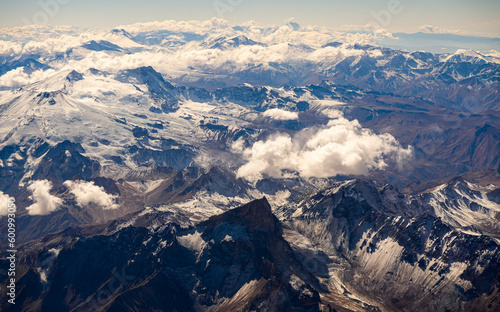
{"x":341,"y":147}
{"x":44,"y":202}
{"x":280,"y":114}
{"x":4,"y":204}
{"x":18,"y":77}
{"x":14,"y":78}
{"x":9,"y":47}
{"x":87,"y":193}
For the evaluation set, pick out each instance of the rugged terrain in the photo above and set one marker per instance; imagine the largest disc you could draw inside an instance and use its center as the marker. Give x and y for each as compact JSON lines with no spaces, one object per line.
{"x":209,"y":167}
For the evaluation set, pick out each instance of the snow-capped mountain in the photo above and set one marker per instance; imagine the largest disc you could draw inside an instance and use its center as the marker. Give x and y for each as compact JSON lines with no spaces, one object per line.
{"x":216,"y":54}
{"x":248,"y":168}
{"x":373,"y":242}
{"x":127,"y":126}
{"x":465,"y":206}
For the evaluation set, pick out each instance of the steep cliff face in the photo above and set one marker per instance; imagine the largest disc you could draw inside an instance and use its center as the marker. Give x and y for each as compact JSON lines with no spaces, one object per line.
{"x":237,"y":261}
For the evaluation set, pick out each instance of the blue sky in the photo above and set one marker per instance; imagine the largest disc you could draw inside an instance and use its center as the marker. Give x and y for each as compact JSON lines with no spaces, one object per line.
{"x":480,"y":17}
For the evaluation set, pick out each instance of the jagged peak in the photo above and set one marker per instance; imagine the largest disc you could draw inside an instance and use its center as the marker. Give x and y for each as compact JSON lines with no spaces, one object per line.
{"x":144,"y":75}
{"x":256,"y":215}
{"x":122,"y":32}
{"x":74,"y":76}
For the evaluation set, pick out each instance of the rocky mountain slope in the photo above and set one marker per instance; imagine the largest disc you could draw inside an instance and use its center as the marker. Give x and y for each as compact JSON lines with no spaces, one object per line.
{"x":351,"y":247}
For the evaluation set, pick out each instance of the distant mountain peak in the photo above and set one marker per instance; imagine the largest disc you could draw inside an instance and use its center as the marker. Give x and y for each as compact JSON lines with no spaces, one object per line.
{"x":74,"y":76}
{"x":122,"y":32}
{"x":295,"y":26}
{"x":101,"y":45}
{"x":234,"y":42}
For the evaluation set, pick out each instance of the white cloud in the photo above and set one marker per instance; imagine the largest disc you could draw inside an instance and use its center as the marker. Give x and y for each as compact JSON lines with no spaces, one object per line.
{"x":270,"y":34}
{"x":4,"y":204}
{"x":493,"y":56}
{"x":87,"y":193}
{"x":280,"y":114}
{"x":14,"y":78}
{"x":44,"y":202}
{"x":37,"y":32}
{"x":284,"y":45}
{"x":177,"y":63}
{"x":64,"y":42}
{"x":333,"y":55}
{"x":377,"y":31}
{"x":195,"y":26}
{"x":9,"y":47}
{"x":46,"y":39}
{"x":438,"y":30}
{"x":18,"y":77}
{"x":341,"y":147}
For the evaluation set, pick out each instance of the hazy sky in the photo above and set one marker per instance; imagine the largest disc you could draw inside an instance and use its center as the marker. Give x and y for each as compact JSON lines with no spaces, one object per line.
{"x":470,"y":17}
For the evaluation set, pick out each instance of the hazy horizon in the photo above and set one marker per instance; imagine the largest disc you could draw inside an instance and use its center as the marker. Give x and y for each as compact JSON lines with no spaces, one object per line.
{"x":463,"y":18}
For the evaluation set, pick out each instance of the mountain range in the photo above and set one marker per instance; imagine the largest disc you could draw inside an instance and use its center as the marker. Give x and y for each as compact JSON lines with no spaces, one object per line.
{"x":202,"y":166}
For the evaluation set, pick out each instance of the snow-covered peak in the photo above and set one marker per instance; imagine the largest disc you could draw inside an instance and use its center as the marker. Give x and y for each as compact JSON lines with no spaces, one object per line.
{"x":57,"y":82}
{"x":464,"y":205}
{"x":462,"y":55}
